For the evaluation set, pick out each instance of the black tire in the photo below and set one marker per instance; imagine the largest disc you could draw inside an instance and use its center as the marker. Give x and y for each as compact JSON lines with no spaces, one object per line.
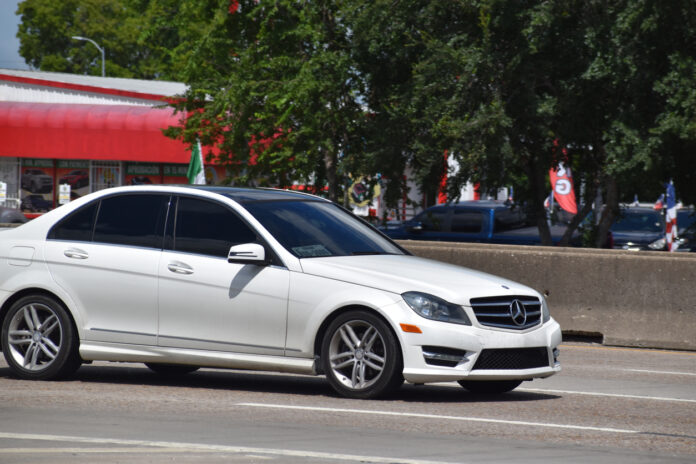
{"x":39,"y":340}
{"x":367,"y":360}
{"x":171,"y":369}
{"x":490,"y":387}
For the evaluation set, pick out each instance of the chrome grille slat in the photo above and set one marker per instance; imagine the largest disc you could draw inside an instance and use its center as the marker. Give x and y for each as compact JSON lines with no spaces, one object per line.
{"x":495,"y":311}
{"x":506,"y":326}
{"x":530,"y":302}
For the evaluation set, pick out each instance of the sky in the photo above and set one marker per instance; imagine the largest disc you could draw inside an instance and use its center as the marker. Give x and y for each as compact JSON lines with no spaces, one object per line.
{"x":9,"y":43}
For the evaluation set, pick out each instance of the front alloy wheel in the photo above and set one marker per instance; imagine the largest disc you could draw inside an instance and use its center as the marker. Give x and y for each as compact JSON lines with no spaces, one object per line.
{"x":38,"y":339}
{"x":361,"y":356}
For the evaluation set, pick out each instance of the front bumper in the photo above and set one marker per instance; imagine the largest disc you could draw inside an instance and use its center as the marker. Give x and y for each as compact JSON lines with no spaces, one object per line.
{"x":461,"y":346}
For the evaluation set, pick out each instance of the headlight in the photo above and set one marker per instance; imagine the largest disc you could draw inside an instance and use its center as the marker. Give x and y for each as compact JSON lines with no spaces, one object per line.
{"x":659,"y":244}
{"x":545,"y":313}
{"x":436,"y":309}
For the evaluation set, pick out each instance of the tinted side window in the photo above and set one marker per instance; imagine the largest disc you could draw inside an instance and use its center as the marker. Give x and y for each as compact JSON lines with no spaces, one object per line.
{"x":136,"y":220}
{"x":208,"y":228}
{"x":432,"y":220}
{"x":77,"y":227}
{"x":467,"y":221}
{"x":510,"y":219}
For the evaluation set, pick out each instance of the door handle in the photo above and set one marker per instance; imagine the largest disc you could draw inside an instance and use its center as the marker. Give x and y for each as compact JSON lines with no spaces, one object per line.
{"x":180,"y":268}
{"x":76,"y":253}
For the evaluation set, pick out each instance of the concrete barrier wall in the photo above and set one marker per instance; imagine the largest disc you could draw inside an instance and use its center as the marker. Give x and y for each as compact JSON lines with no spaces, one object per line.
{"x":644,"y":299}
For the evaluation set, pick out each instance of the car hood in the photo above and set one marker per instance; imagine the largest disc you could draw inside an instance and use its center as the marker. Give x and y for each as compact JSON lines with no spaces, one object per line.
{"x":403,"y":273}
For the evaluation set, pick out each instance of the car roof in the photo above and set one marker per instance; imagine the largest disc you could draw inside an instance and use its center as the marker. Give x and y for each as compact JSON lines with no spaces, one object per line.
{"x":245,"y":194}
{"x":639,"y":209}
{"x":478,"y":204}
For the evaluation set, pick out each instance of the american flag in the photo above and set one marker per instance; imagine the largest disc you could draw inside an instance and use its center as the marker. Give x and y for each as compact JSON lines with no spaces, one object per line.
{"x":671,"y":218}
{"x":659,"y":204}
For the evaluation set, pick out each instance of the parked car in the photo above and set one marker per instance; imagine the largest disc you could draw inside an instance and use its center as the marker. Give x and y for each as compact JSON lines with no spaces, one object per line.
{"x":637,"y":227}
{"x":186,"y":277}
{"x":140,"y":180}
{"x":36,"y":181}
{"x":76,"y":179}
{"x":686,"y":226}
{"x":36,"y":203}
{"x":487,"y":221}
{"x":11,"y":216}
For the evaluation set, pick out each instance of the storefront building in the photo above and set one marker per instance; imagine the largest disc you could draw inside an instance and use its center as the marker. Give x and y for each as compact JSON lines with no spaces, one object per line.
{"x":85,"y":133}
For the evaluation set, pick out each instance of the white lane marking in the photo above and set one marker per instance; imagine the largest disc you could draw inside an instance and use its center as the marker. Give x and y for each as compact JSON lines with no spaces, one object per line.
{"x":439,"y":417}
{"x":91,"y":450}
{"x":216,"y":448}
{"x":610,"y":395}
{"x":659,"y":372}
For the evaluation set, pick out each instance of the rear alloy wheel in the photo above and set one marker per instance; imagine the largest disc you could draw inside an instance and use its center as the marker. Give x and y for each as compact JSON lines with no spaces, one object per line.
{"x":171,"y":369}
{"x":38,"y":339}
{"x":361,"y":356}
{"x":490,"y":387}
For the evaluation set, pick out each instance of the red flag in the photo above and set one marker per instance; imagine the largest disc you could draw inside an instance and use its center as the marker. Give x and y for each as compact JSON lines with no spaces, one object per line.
{"x":562,"y":185}
{"x":442,"y":190}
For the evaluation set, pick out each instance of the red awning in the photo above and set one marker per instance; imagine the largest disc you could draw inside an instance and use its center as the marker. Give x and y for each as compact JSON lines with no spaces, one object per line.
{"x":93,"y":132}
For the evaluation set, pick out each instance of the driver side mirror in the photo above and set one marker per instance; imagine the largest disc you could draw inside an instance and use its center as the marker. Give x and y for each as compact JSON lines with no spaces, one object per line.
{"x":247,"y":253}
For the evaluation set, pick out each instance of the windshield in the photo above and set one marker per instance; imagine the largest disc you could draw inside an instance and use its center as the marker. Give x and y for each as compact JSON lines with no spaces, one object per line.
{"x":639,"y":221}
{"x":310,"y":229}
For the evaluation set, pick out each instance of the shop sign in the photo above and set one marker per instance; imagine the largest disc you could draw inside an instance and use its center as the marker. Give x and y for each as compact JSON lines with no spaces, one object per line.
{"x":73,"y":164}
{"x":37,"y":163}
{"x":142,"y":174}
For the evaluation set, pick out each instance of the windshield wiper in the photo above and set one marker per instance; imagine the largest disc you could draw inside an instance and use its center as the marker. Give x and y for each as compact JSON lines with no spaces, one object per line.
{"x":358,"y":253}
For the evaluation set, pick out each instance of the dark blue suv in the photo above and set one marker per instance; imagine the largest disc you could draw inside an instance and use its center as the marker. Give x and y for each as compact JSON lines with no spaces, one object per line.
{"x":487,"y":221}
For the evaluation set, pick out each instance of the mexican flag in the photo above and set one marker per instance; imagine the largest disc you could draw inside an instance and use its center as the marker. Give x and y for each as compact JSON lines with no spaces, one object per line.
{"x":195,"y":170}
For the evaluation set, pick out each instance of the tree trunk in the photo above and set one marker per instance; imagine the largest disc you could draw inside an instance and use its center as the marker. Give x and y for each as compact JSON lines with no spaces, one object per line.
{"x":610,"y":211}
{"x":330,"y":162}
{"x":578,"y":218}
{"x":538,"y":180}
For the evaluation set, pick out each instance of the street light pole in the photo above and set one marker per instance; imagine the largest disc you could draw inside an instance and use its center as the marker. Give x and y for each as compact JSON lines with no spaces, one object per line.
{"x":77,"y":37}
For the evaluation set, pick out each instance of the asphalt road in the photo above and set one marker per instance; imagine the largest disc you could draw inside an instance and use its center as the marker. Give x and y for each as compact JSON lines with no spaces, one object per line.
{"x":609,"y":405}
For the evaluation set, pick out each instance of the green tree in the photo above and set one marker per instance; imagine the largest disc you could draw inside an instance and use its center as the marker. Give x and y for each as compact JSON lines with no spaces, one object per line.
{"x":146,"y":39}
{"x":497,"y":84}
{"x":274,"y":89}
{"x":482,"y":83}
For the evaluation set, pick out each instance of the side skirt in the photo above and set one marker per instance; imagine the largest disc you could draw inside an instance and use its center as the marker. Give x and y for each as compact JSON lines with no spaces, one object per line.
{"x":102,"y":351}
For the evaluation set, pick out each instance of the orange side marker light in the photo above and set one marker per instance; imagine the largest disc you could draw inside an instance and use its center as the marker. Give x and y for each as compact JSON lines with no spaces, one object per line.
{"x":411,"y":328}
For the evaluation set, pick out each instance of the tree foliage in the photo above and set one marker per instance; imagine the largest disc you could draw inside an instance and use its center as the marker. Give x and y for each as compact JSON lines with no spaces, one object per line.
{"x":275,"y":90}
{"x":142,"y":39}
{"x":317,"y":91}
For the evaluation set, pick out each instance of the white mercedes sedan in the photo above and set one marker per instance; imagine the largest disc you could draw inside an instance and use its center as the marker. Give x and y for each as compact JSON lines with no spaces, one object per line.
{"x":181,"y":277}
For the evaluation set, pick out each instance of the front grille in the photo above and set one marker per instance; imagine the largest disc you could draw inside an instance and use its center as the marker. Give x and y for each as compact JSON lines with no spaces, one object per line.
{"x":512,"y":358}
{"x":497,"y":311}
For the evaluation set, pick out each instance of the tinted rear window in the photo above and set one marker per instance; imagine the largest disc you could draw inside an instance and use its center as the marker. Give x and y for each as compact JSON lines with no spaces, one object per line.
{"x":77,"y":227}
{"x":136,"y":220}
